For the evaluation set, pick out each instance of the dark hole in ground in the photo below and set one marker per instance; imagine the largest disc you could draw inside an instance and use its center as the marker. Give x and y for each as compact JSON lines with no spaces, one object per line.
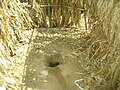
{"x":53,"y":64}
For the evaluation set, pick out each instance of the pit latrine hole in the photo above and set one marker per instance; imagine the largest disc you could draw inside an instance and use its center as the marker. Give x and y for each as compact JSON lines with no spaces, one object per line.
{"x":53,"y":63}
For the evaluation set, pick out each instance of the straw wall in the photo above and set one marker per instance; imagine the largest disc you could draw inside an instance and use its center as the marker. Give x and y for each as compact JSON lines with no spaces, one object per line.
{"x":105,"y":41}
{"x":57,"y":13}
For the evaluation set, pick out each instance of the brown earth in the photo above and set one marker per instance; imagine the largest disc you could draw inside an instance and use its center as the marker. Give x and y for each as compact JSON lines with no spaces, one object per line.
{"x":54,"y":65}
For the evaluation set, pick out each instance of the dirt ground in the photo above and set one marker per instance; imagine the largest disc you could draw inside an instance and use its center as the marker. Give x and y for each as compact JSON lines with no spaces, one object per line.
{"x":53,"y":64}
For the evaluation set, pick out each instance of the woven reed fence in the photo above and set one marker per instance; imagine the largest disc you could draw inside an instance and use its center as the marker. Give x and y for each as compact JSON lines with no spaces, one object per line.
{"x":56,"y":13}
{"x":104,"y":51}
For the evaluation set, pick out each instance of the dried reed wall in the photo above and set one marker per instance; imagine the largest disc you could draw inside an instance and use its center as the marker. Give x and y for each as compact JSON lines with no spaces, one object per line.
{"x":57,"y":13}
{"x":106,"y":39}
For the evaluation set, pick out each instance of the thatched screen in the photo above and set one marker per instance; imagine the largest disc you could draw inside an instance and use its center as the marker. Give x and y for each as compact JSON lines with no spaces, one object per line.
{"x":105,"y":48}
{"x":57,"y":13}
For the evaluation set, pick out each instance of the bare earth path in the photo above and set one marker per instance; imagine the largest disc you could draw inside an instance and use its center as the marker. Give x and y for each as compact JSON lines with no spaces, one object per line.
{"x":53,"y":64}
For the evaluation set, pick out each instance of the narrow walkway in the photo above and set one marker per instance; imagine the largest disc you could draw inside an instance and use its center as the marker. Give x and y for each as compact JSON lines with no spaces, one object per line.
{"x":53,"y":64}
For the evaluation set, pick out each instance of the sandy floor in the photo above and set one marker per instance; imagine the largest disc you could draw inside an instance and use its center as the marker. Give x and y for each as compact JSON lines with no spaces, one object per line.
{"x":53,"y":64}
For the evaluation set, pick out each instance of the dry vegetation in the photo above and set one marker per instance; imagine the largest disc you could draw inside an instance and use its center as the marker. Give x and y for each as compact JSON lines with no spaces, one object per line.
{"x":101,"y":50}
